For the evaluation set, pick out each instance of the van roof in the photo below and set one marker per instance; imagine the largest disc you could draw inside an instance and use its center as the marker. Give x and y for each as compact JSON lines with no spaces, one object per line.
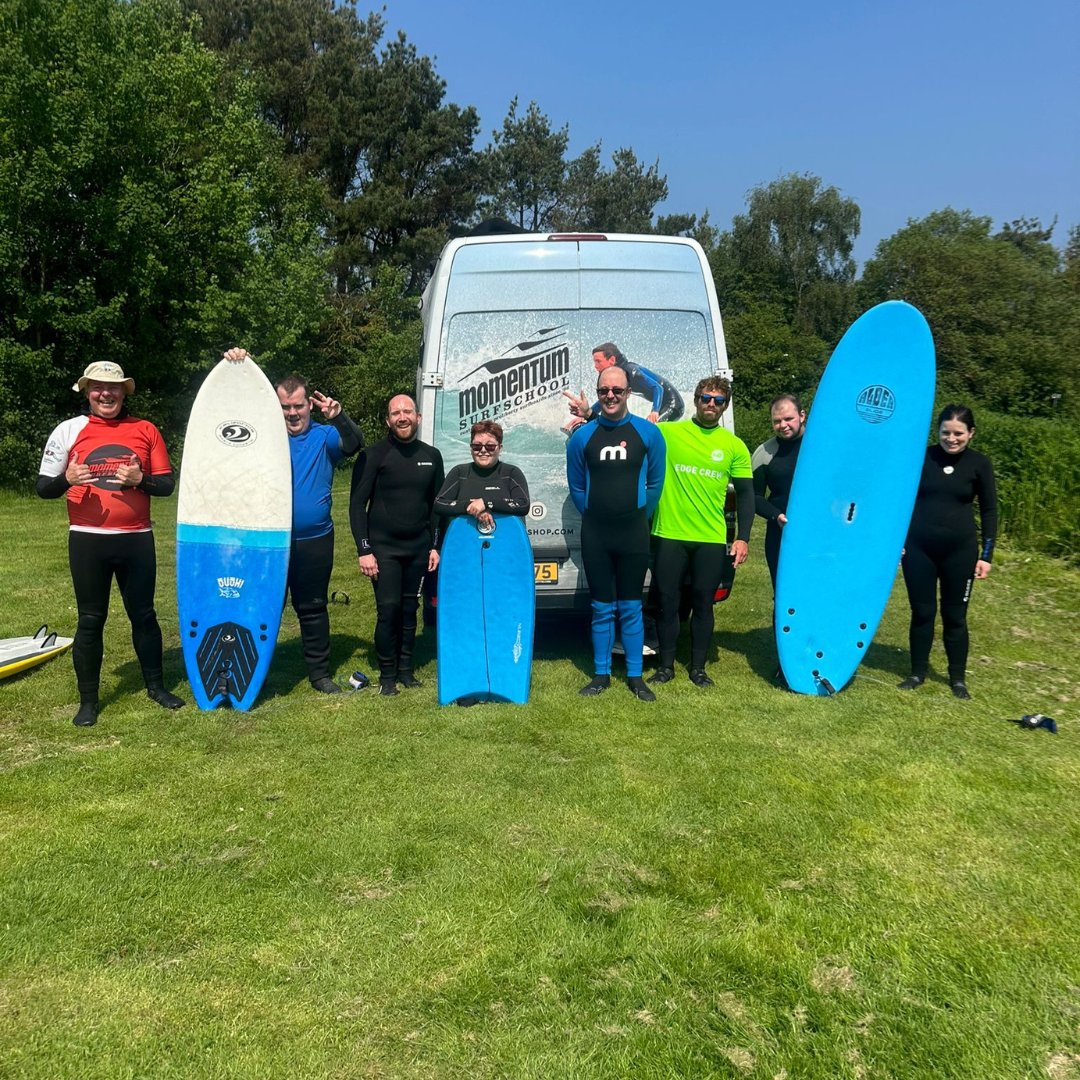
{"x":571,"y":270}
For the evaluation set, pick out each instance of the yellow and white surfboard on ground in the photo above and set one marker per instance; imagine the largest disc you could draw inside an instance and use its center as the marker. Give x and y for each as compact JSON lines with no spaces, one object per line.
{"x":21,"y":653}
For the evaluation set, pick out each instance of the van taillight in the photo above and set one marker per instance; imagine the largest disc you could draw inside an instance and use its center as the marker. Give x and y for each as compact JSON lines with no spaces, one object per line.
{"x":577,"y":236}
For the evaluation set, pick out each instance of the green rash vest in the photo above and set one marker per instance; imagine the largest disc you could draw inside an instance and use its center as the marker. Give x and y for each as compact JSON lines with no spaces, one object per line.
{"x":700,"y":462}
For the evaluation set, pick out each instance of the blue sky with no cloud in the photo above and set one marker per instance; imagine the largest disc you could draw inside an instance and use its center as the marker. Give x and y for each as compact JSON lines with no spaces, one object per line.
{"x":905,"y":107}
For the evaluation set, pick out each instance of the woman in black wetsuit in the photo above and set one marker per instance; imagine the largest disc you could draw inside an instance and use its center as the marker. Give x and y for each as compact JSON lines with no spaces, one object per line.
{"x":486,"y":485}
{"x":943,"y":546}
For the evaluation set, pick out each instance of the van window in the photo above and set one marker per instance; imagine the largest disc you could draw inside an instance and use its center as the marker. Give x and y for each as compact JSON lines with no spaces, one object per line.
{"x":513,"y":366}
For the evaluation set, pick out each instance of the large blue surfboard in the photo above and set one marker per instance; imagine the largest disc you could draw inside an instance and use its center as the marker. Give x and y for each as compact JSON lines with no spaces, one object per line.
{"x":852,"y":496}
{"x":487,"y":606}
{"x":233,"y":532}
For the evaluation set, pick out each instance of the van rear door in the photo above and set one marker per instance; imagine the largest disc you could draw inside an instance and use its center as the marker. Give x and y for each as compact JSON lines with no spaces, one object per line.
{"x":515,"y":327}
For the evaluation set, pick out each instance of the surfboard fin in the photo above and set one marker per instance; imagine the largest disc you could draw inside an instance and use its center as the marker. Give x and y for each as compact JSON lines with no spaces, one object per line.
{"x":222,"y":686}
{"x":42,"y":631}
{"x":828,"y":686}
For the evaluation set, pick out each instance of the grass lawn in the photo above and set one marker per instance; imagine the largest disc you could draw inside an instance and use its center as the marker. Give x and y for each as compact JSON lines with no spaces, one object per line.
{"x":736,"y":882}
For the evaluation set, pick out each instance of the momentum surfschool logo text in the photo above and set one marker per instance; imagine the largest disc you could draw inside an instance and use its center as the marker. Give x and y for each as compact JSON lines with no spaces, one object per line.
{"x":524,"y":375}
{"x":103,"y":461}
{"x":236,"y":433}
{"x":876,"y":404}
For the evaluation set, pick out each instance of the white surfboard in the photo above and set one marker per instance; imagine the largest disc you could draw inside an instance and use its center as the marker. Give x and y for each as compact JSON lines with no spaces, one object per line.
{"x":19,"y":654}
{"x":233,"y":531}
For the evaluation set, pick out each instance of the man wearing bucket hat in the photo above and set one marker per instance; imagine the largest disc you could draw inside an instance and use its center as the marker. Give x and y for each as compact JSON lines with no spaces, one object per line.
{"x":109,"y":464}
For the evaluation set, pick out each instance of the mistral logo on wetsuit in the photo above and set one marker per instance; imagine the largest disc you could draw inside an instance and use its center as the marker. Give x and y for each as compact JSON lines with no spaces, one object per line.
{"x":613,"y":453}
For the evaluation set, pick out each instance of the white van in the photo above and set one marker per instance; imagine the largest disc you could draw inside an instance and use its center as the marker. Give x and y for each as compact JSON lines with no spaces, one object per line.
{"x":511,"y":321}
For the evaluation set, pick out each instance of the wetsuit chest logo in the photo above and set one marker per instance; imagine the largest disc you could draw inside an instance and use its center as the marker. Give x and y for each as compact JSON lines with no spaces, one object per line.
{"x":613,"y":453}
{"x":103,"y":461}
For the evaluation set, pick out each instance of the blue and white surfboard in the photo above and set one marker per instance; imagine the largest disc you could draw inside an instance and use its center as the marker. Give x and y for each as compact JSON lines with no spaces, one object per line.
{"x":233,"y":532}
{"x":487,"y":606}
{"x":852,"y":496}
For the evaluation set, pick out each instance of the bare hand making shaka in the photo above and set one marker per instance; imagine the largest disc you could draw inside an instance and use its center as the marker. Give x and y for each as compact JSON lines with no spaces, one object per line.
{"x":326,"y":405}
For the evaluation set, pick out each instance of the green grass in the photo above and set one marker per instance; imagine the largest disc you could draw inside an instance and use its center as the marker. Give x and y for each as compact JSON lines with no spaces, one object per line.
{"x":733,"y":883}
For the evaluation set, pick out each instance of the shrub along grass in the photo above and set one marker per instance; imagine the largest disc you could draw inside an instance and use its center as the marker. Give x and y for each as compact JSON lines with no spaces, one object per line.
{"x":736,"y":882}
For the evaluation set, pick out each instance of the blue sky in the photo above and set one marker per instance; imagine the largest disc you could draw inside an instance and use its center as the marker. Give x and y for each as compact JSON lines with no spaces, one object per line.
{"x":905,"y":107}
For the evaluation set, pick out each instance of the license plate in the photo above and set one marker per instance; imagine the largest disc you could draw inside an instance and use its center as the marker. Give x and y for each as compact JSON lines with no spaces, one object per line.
{"x":546,"y":573}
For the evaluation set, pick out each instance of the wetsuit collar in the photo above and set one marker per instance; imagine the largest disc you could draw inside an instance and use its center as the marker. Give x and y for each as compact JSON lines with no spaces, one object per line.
{"x":605,"y":422}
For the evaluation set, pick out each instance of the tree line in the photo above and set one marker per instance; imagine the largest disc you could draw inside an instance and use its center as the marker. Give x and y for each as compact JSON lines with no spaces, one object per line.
{"x":178,"y":176}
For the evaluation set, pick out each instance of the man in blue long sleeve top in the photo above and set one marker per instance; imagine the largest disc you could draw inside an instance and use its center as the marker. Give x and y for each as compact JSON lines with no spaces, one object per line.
{"x":314,"y":451}
{"x":615,"y":470}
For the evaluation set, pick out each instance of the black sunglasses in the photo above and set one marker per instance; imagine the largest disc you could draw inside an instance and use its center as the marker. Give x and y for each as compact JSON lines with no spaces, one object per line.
{"x":479,"y":447}
{"x":612,"y":391}
{"x":712,"y":399}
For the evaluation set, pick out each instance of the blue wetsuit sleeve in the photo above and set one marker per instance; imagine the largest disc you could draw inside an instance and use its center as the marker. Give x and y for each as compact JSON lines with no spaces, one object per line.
{"x":576,"y":476}
{"x":656,"y":460}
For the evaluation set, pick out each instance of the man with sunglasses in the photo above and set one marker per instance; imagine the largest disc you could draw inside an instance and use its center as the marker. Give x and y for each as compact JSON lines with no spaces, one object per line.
{"x":615,"y":471}
{"x":689,"y":526}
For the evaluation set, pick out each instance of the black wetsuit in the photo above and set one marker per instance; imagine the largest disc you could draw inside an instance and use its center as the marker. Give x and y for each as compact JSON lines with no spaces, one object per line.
{"x":503,"y":489}
{"x":942,"y":546}
{"x":774,"y":469}
{"x":390,"y":511}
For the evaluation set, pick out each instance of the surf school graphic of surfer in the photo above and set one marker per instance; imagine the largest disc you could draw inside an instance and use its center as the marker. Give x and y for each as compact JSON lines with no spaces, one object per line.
{"x":667,"y":402}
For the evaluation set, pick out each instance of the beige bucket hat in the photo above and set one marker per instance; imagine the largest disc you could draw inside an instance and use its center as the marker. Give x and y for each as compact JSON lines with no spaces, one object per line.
{"x":104,"y":371}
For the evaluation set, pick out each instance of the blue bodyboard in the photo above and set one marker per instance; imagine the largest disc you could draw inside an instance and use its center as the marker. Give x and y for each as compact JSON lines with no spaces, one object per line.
{"x":487,"y":607}
{"x":852,"y":496}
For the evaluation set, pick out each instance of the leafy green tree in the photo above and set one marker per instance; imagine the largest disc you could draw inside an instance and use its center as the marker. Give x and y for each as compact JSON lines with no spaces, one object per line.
{"x":1072,"y":260}
{"x":1004,"y":316}
{"x":419,"y":175}
{"x":620,"y":199}
{"x":525,"y":169}
{"x":1029,"y":237}
{"x":770,"y":357}
{"x":371,"y":347}
{"x":311,"y":62}
{"x":396,"y":161}
{"x":793,"y":246}
{"x":145,"y":215}
{"x":696,"y":228}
